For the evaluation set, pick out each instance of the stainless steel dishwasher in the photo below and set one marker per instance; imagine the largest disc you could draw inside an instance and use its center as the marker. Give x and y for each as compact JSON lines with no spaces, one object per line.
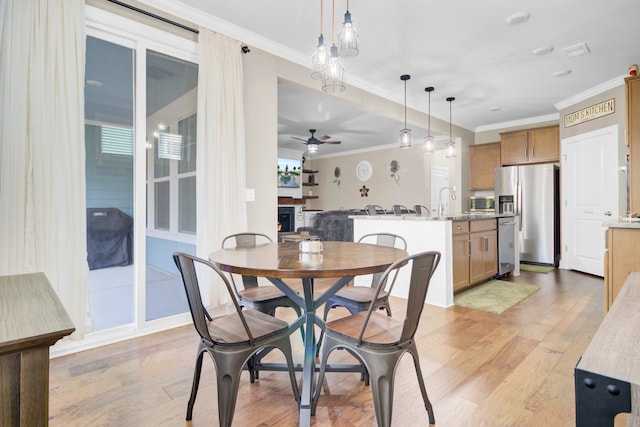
{"x":506,"y":245}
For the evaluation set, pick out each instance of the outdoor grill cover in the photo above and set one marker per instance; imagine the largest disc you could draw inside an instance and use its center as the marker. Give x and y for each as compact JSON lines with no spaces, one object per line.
{"x":109,"y":238}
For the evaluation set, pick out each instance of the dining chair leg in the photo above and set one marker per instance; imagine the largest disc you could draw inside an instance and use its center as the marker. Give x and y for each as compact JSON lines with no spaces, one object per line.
{"x":285,"y":347}
{"x":196,"y":382}
{"x":382,"y":381}
{"x":324,"y":317}
{"x":427,"y":404}
{"x":329,"y":346}
{"x":228,"y":370}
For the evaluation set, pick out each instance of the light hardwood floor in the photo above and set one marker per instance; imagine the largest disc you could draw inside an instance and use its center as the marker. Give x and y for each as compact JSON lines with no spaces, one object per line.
{"x":480,"y":369}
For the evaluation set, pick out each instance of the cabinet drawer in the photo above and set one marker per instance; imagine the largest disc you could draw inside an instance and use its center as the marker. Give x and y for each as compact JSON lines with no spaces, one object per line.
{"x":482,"y":225}
{"x":459,"y":227}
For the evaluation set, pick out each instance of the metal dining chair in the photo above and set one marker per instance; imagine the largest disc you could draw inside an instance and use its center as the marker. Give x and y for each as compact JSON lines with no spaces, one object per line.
{"x":379,"y":341}
{"x":400,"y":209}
{"x":359,"y":298}
{"x":261,"y":298}
{"x":419,"y":208}
{"x":230,"y":340}
{"x":374,"y":210}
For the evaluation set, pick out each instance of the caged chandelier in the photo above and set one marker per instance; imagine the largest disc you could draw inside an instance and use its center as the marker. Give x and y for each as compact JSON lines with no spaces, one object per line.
{"x":326,"y":64}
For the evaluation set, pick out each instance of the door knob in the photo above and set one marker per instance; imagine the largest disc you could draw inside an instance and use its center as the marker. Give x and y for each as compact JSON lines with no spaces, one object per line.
{"x":608,"y":213}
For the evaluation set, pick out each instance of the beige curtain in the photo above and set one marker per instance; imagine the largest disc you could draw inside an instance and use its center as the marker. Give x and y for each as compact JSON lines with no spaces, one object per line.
{"x":221,"y":207}
{"x":42,"y":174}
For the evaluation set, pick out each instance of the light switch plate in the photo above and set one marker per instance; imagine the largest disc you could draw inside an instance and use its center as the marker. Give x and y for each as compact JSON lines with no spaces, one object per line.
{"x":250,"y":194}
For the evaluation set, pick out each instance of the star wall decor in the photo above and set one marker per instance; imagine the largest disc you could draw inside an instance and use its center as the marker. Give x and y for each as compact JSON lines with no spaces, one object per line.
{"x":364,"y":191}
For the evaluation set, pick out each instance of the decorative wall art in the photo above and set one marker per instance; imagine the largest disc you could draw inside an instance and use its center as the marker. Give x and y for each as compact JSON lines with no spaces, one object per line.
{"x":289,"y":173}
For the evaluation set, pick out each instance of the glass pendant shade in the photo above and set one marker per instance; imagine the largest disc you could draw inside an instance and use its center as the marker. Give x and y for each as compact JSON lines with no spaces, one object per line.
{"x":405,"y":138}
{"x":319,"y":59}
{"x":312,"y":148}
{"x":429,"y":144}
{"x":348,"y":38}
{"x":333,"y":73}
{"x":451,"y":149}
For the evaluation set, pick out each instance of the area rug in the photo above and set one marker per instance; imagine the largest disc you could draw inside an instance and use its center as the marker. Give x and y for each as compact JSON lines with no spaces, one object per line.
{"x":536,"y":268}
{"x":495,"y":296}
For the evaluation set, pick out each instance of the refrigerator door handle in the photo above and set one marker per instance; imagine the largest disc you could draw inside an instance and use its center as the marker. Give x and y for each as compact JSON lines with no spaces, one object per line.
{"x":519,"y":209}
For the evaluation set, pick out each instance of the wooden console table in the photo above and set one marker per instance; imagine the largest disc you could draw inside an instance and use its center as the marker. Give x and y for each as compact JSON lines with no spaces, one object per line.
{"x":607,"y":377}
{"x":31,"y":320}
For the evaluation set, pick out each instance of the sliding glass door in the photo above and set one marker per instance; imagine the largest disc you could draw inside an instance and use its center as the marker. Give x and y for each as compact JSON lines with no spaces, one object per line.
{"x":140,"y":138}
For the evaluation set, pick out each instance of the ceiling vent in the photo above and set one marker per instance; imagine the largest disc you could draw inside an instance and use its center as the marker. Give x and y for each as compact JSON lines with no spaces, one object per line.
{"x":576,"y":50}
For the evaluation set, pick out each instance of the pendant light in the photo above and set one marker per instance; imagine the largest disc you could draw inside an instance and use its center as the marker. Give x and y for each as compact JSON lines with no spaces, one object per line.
{"x":429,"y":144}
{"x":333,"y":71}
{"x":451,"y":146}
{"x":348,"y":37}
{"x":405,"y":134}
{"x":320,"y":55}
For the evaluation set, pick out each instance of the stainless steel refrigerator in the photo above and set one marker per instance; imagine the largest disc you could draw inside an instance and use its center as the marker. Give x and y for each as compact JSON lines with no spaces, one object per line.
{"x":532,"y":192}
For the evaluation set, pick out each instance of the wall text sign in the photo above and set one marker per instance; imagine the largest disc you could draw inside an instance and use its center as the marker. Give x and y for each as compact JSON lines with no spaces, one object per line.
{"x":595,"y":111}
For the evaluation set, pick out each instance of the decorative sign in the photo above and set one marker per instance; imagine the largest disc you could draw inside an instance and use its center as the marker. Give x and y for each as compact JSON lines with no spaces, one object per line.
{"x":595,"y":111}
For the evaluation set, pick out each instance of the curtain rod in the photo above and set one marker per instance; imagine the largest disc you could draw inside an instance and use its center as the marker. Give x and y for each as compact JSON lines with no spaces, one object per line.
{"x":245,"y":49}
{"x":153,"y":15}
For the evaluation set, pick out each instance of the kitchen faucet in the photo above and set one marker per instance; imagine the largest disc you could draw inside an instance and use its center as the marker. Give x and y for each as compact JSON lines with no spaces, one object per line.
{"x":440,"y":202}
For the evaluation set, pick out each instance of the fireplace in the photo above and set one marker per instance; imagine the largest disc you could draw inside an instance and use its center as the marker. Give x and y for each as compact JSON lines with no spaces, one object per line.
{"x":286,"y":219}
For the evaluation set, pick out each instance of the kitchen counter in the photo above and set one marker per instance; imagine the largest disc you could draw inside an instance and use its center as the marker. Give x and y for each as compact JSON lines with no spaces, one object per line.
{"x":454,"y":217}
{"x":623,"y":223}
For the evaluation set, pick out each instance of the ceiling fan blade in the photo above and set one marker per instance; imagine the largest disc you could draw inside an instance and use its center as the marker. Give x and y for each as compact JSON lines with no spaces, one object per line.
{"x":324,"y":138}
{"x":332,"y":142}
{"x":299,"y":139}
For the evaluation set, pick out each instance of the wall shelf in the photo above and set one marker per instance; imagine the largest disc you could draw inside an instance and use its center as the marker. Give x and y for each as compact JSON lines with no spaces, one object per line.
{"x":309,"y":184}
{"x":308,"y":171}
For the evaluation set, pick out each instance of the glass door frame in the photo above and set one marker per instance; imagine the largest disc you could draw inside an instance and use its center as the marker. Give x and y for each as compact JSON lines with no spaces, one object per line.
{"x":140,"y":38}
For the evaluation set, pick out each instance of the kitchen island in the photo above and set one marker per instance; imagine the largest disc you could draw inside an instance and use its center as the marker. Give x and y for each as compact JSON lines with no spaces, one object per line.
{"x":422,"y":233}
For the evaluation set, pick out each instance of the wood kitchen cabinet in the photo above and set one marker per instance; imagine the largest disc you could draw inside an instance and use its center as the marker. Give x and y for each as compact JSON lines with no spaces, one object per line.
{"x":483,"y":159}
{"x":460,"y":256}
{"x":633,"y":140}
{"x":483,"y":261}
{"x":622,"y":257}
{"x":475,"y":252}
{"x":539,"y":145}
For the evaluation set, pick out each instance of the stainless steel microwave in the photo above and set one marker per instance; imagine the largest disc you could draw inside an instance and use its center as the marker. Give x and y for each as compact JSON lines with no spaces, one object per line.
{"x":481,"y":204}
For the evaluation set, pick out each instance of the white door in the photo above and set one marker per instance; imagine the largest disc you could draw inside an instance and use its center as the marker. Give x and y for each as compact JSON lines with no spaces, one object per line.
{"x":590,"y":187}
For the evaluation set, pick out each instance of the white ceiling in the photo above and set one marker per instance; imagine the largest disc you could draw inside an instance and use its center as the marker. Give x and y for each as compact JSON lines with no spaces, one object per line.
{"x":462,"y":48}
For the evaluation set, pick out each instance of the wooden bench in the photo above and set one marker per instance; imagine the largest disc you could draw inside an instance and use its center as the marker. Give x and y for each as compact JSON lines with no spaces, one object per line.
{"x":607,"y":376}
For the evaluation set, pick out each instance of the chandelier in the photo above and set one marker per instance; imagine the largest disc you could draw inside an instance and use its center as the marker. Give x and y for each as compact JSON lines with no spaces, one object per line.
{"x":326,"y":64}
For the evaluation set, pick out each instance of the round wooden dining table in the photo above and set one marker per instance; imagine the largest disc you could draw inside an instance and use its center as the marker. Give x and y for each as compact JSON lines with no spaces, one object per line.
{"x":277,"y":261}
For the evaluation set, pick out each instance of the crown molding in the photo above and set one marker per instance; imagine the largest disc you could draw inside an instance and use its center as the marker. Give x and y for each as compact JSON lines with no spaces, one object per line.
{"x":521,"y":122}
{"x":589,"y":93}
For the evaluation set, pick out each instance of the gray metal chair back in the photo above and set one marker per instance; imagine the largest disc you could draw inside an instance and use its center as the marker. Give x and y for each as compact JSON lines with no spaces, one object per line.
{"x":400,"y":209}
{"x":373,"y":209}
{"x":246,"y":240}
{"x":381,"y":341}
{"x":229,"y":340}
{"x":389,"y":240}
{"x":419,"y":208}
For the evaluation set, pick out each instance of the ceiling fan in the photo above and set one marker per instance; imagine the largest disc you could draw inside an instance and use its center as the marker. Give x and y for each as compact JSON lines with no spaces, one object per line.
{"x":313,"y":143}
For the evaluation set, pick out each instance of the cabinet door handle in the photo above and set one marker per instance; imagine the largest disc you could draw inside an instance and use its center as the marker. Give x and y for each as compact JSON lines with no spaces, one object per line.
{"x":486,"y":244}
{"x":469,"y":247}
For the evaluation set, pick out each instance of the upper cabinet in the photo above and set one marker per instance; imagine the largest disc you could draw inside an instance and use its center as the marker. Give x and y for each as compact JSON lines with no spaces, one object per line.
{"x":633,"y":139}
{"x":539,"y":145}
{"x":483,"y":159}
